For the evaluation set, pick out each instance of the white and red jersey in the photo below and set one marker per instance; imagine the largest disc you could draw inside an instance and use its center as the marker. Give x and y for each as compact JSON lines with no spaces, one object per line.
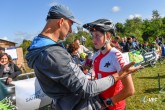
{"x":107,"y":64}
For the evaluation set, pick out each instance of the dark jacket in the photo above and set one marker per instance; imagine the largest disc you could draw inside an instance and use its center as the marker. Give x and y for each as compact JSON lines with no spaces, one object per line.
{"x":128,"y":47}
{"x":61,"y":79}
{"x":13,"y":73}
{"x":76,"y":59}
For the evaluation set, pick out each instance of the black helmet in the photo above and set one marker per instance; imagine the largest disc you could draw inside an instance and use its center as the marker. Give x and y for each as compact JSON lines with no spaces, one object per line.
{"x":102,"y":25}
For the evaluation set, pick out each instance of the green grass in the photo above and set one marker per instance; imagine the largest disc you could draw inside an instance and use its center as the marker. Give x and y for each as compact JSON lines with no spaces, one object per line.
{"x":147,"y":95}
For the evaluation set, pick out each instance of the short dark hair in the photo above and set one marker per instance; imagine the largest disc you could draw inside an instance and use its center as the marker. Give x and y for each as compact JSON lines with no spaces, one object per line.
{"x":129,"y":38}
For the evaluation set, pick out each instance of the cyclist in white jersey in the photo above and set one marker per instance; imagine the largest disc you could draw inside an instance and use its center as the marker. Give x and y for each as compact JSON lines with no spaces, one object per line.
{"x":107,"y":61}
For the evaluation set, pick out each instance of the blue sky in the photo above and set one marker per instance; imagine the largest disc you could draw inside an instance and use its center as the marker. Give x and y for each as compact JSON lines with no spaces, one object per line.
{"x":24,"y":19}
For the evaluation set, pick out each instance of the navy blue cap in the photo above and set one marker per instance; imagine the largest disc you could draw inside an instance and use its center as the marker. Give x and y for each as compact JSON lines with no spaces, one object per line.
{"x":60,"y":11}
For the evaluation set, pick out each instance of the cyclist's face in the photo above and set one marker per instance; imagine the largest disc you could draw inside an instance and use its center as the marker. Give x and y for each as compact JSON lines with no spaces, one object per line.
{"x":98,"y":39}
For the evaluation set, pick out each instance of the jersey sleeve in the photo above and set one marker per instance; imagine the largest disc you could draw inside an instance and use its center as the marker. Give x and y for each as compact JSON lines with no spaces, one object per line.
{"x":118,"y":61}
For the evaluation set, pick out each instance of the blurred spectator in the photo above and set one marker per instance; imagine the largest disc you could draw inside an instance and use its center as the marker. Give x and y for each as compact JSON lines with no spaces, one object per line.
{"x":125,"y":39}
{"x":83,"y":40}
{"x":8,"y":68}
{"x":161,"y":39}
{"x":115,"y":42}
{"x":122,"y":43}
{"x":82,"y":48}
{"x":158,"y":41}
{"x":135,"y":43}
{"x":128,"y":47}
{"x":163,"y":49}
{"x":73,"y":50}
{"x":157,"y":49}
{"x":145,"y":46}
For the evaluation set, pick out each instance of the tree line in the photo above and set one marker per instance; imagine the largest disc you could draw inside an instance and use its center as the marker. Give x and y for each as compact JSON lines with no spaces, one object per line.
{"x":144,"y":30}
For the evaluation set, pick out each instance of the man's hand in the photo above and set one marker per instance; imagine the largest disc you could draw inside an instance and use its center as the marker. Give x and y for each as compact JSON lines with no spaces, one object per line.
{"x":127,"y":69}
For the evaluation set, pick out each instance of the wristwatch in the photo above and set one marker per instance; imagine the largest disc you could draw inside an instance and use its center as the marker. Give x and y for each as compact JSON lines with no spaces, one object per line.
{"x":109,"y":102}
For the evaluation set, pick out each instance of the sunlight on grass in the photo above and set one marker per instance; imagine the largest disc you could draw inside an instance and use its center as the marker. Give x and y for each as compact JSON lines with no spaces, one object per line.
{"x":147,"y":95}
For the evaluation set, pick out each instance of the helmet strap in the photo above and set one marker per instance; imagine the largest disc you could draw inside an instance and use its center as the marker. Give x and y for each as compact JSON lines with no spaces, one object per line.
{"x":106,"y":41}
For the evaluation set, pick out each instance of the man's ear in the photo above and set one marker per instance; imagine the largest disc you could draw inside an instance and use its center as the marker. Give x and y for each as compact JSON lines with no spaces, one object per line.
{"x":60,"y":22}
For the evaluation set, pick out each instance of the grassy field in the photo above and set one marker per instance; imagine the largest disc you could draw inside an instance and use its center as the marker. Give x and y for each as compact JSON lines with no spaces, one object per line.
{"x":147,"y":95}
